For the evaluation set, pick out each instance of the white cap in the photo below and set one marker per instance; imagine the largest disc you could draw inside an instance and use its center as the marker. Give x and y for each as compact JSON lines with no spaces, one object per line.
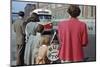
{"x":41,"y":11}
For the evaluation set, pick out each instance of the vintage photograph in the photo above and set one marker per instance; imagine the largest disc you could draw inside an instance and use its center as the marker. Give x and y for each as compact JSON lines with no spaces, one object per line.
{"x":52,"y":33}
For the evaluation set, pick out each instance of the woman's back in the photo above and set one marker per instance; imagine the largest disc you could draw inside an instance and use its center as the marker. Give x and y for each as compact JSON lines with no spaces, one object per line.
{"x":73,"y":36}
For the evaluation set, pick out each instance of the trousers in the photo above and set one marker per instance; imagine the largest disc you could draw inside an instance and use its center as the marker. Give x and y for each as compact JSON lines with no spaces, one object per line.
{"x":20,"y":54}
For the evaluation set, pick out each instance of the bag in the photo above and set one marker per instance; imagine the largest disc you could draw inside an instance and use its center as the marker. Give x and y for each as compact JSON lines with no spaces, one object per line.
{"x":53,"y":51}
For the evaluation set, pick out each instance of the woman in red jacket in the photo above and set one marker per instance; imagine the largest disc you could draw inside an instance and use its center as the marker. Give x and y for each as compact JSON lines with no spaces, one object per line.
{"x":72,"y":36}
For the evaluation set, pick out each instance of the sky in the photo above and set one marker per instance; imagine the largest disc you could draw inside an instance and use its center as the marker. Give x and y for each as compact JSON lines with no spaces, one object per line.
{"x":18,"y":6}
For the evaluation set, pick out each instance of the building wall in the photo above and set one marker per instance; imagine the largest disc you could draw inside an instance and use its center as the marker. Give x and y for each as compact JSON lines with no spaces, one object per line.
{"x":59,"y":11}
{"x":28,"y":8}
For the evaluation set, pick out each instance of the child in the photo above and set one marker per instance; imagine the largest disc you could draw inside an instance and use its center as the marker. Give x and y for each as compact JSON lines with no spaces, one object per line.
{"x":42,"y":53}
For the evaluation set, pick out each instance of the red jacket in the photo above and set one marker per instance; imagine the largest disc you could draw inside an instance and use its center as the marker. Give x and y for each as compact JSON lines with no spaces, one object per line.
{"x":73,"y":36}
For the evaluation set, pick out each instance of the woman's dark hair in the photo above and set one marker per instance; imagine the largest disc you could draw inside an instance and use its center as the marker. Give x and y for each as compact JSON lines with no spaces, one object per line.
{"x":74,"y":11}
{"x":21,"y":13}
{"x":34,"y":18}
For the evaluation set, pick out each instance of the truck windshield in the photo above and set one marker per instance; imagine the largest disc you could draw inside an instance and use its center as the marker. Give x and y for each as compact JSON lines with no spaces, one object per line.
{"x":46,"y":17}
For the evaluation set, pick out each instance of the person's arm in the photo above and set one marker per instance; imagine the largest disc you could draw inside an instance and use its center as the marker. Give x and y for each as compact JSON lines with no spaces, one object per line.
{"x":84,"y":36}
{"x":60,"y":32}
{"x":23,"y":27}
{"x":26,"y":33}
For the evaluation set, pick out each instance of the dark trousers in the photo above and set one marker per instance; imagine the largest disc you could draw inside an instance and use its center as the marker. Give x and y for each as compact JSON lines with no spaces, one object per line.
{"x":20,"y":54}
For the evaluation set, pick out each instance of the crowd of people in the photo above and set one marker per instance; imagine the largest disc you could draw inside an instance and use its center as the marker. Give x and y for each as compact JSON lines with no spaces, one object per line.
{"x":32,"y":45}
